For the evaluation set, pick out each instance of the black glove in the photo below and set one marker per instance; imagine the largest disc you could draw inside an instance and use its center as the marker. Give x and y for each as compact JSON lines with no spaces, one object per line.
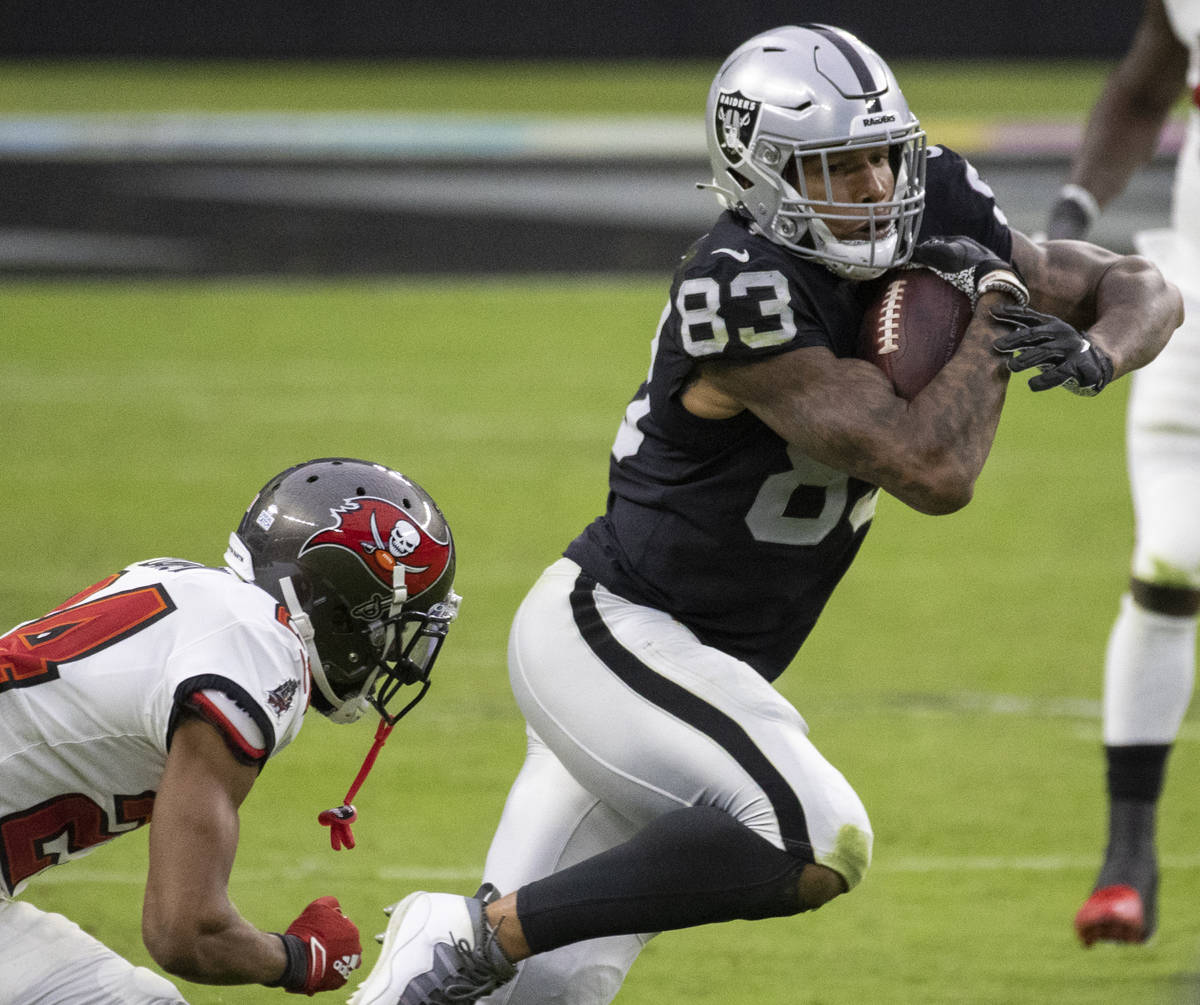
{"x":1065,"y":356}
{"x":968,"y":266}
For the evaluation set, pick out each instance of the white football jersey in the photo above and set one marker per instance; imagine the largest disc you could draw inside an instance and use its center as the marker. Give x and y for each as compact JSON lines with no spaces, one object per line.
{"x":90,"y":695}
{"x":1185,"y":20}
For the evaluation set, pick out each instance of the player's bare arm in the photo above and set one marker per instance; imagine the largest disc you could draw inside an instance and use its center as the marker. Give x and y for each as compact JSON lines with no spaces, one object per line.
{"x":1122,"y":301}
{"x":1125,"y":124}
{"x":844,"y":413}
{"x":189,"y":925}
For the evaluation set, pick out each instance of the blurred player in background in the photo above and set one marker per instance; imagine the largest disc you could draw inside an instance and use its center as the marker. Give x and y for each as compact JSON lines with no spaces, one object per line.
{"x":1150,"y":663}
{"x":164,"y":689}
{"x":667,"y":783}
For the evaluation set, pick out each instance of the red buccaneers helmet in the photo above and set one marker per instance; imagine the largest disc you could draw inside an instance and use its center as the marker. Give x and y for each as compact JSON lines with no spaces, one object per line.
{"x":363,"y":559}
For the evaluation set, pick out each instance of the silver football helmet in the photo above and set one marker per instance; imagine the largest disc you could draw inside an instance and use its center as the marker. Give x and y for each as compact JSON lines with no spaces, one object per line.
{"x":809,"y":91}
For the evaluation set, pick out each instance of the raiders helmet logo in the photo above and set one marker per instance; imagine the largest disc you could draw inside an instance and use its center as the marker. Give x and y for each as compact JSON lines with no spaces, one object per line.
{"x":736,"y":118}
{"x":384,"y":537}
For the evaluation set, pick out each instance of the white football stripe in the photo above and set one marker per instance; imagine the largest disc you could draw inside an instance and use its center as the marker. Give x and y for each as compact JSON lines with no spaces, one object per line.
{"x":903,"y":864}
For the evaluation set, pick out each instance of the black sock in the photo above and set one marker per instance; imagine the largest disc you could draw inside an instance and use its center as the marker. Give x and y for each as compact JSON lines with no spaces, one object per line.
{"x":1136,"y":772}
{"x":691,"y":867}
{"x":1131,"y":858}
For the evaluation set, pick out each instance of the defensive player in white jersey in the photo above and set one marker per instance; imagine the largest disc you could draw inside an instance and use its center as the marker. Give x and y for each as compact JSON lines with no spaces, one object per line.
{"x":1151,"y":658}
{"x":667,"y":782}
{"x":163,"y":690}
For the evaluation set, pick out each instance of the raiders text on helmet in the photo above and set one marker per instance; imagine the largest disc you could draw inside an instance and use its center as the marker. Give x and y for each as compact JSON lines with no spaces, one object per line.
{"x":811,"y":91}
{"x":363,"y":560}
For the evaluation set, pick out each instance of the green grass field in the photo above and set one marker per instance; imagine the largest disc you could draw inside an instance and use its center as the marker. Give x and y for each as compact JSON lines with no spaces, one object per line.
{"x":955,"y":677}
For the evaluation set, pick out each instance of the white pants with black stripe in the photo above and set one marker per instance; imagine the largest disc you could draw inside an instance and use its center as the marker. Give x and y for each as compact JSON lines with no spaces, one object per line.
{"x":631,"y":717}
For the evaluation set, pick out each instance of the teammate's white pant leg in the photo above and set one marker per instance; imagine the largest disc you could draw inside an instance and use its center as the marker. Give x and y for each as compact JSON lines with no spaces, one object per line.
{"x":658,"y":723}
{"x":50,"y":960}
{"x":1149,"y":673}
{"x":1151,"y":658}
{"x":550,"y":822}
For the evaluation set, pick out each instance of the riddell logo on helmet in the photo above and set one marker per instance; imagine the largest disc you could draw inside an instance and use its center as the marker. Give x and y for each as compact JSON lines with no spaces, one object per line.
{"x":385,"y":537}
{"x":878,"y":120}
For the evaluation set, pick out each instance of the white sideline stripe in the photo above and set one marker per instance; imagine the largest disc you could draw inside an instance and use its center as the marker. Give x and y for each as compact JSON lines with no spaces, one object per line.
{"x":941,"y":864}
{"x":268,"y":135}
{"x":272,"y":135}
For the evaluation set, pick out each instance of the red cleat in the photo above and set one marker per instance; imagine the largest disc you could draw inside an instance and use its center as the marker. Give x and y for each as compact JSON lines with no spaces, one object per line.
{"x":1112,"y":914}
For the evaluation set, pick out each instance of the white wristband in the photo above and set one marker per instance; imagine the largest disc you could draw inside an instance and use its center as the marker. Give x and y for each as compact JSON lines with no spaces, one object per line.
{"x":1003,"y":281}
{"x":1083,"y":199}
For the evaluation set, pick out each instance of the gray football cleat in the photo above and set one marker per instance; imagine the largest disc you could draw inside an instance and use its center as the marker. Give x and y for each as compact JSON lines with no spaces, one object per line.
{"x":438,"y":950}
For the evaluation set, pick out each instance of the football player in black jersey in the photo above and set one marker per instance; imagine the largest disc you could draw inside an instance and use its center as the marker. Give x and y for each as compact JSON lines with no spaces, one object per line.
{"x":667,"y":783}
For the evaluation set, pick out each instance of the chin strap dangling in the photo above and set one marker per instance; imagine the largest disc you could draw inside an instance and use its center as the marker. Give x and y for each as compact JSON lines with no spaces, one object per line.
{"x":339,"y":819}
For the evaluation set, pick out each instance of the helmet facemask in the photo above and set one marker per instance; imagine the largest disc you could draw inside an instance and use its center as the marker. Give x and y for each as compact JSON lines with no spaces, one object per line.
{"x":803,"y":221}
{"x":361,"y":665}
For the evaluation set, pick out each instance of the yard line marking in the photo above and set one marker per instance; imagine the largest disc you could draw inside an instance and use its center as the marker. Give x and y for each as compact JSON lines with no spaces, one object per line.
{"x":904,"y":864}
{"x":998,"y":863}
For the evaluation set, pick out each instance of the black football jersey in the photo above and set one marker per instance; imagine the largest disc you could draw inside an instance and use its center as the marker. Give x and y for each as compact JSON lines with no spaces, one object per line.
{"x":722,"y":523}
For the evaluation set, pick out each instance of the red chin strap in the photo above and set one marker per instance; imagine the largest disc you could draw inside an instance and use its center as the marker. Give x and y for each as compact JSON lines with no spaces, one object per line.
{"x":339,"y":819}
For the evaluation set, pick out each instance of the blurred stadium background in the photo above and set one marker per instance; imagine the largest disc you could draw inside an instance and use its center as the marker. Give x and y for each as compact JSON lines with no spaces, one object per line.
{"x":233,"y":236}
{"x":419,"y":172}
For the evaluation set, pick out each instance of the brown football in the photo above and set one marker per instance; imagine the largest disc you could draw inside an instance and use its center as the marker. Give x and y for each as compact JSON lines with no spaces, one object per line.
{"x":912,"y":326}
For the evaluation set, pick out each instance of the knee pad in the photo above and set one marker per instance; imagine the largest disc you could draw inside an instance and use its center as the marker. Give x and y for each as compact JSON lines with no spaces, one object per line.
{"x":851,"y":855}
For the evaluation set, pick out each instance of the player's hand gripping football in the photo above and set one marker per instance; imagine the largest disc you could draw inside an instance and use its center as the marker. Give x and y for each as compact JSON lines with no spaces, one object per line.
{"x":1065,"y":357}
{"x":323,"y":949}
{"x":968,"y":266}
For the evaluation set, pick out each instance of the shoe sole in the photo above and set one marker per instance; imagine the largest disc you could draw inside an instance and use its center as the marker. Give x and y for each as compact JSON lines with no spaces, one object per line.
{"x":375,"y":989}
{"x":1112,"y":914}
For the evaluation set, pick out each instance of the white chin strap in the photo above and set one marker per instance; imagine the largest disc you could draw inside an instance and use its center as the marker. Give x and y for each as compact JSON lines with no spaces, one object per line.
{"x":344,"y":710}
{"x":237,"y":557}
{"x":854,"y":258}
{"x":399,"y":599}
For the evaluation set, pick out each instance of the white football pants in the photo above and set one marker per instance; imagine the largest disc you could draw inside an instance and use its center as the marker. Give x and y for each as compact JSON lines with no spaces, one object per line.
{"x":605,"y":757}
{"x":50,"y":960}
{"x":1151,"y":658}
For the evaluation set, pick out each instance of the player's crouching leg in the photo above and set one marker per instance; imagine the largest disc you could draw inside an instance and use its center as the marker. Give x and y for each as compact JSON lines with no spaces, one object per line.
{"x":49,"y":958}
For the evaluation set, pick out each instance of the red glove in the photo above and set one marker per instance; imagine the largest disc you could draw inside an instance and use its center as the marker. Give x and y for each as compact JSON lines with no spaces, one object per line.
{"x":323,"y":949}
